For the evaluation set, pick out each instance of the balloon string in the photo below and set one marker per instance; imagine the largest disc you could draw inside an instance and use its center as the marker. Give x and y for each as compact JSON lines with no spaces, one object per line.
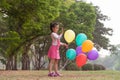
{"x":68,"y":45}
{"x":64,"y":65}
{"x":66,"y":61}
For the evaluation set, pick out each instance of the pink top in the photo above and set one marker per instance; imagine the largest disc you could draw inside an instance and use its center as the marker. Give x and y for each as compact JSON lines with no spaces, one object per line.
{"x":55,"y":37}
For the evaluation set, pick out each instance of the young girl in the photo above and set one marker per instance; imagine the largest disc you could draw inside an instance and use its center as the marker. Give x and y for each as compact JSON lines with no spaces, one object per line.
{"x":53,"y":53}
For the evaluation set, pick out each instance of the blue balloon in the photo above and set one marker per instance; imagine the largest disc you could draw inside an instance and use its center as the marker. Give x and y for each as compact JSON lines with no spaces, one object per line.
{"x":80,"y":39}
{"x":71,"y":54}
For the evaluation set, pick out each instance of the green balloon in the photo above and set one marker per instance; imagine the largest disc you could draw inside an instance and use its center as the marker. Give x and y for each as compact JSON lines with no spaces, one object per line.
{"x":71,"y":54}
{"x":80,"y":39}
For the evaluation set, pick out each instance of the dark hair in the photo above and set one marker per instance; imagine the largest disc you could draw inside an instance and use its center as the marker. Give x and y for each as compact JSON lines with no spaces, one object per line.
{"x":53,"y":25}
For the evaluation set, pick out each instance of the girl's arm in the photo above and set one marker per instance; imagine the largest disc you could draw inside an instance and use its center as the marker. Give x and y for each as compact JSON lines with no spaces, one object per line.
{"x":56,"y":36}
{"x":64,"y":44}
{"x":61,"y":33}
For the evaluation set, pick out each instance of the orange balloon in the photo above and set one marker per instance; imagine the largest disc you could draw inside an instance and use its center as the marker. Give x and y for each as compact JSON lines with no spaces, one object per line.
{"x":87,"y":46}
{"x":81,"y":60}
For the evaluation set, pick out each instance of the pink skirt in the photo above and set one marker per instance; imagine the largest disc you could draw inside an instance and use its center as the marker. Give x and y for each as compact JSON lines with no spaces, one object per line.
{"x":53,"y":52}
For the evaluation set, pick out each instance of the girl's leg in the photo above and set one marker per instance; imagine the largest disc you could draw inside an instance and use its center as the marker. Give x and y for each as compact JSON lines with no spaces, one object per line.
{"x":56,"y":68}
{"x":56,"y":65}
{"x":52,"y":61}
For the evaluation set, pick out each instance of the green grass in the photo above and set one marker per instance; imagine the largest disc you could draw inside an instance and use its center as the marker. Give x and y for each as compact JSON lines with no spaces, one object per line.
{"x":67,"y":75}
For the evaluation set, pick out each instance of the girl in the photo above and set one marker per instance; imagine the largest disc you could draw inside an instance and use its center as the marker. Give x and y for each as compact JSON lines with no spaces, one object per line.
{"x":53,"y":53}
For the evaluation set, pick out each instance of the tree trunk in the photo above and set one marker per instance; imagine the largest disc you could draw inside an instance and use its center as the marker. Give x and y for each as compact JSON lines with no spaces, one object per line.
{"x":14,"y":63}
{"x":9,"y":64}
{"x":39,"y":60}
{"x":25,"y":59}
{"x":25,"y":62}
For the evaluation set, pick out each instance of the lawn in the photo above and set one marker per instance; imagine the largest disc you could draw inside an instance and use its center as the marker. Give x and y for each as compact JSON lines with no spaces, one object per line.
{"x":67,"y":75}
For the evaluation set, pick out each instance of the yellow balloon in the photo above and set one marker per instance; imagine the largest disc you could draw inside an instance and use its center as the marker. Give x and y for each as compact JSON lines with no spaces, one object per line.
{"x":87,"y":46}
{"x":69,"y":36}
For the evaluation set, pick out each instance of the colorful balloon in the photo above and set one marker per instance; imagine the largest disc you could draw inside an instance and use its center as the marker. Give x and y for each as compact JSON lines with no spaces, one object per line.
{"x":87,"y":46}
{"x":79,"y":50}
{"x":69,"y":36}
{"x":81,"y":60}
{"x":71,"y":54}
{"x":93,"y":55}
{"x":80,"y":39}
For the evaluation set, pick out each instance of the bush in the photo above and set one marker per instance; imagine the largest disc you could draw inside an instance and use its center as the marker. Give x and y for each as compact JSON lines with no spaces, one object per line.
{"x":88,"y":67}
{"x":97,"y":67}
{"x":93,"y":67}
{"x":72,"y":66}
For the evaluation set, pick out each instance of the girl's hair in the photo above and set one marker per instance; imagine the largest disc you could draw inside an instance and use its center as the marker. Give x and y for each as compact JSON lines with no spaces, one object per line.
{"x":53,"y":25}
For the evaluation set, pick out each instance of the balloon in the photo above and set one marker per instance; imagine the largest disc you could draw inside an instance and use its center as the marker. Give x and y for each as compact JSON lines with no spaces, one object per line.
{"x":69,"y":36}
{"x":81,"y":60}
{"x":87,"y":46}
{"x":80,"y":39}
{"x":93,"y":55}
{"x":79,"y":50}
{"x":71,"y":54}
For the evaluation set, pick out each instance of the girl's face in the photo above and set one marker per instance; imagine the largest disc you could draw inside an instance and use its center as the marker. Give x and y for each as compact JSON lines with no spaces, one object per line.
{"x":56,"y":28}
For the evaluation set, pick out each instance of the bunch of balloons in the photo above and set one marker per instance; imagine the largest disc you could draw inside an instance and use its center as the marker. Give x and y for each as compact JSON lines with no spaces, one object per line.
{"x":84,"y":50}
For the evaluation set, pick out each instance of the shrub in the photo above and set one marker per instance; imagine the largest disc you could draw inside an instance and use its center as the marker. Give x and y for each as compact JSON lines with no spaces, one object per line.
{"x":98,"y":67}
{"x":72,"y":66}
{"x":93,"y":67}
{"x":88,"y":67}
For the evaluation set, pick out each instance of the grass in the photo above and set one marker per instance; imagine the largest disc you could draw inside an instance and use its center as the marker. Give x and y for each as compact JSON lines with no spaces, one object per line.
{"x":67,"y":75}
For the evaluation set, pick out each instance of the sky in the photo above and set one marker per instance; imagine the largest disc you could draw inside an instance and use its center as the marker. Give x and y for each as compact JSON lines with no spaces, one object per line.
{"x":111,"y":9}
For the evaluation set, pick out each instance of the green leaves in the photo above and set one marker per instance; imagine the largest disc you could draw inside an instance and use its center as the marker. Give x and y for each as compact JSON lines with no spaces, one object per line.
{"x":79,"y":17}
{"x":25,"y":21}
{"x":100,"y":30}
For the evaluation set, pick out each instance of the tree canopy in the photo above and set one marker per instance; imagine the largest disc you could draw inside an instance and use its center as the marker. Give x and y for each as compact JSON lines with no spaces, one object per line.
{"x":101,"y":31}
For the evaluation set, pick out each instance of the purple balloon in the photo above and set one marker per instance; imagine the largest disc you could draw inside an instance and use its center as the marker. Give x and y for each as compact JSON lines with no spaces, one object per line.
{"x":93,"y":55}
{"x":79,"y":50}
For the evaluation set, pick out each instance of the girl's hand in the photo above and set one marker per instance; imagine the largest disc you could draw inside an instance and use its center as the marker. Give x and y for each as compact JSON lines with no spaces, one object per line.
{"x":65,"y":45}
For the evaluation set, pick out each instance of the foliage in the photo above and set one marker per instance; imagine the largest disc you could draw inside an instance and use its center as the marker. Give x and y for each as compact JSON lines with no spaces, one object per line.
{"x":80,"y":17}
{"x":72,"y":66}
{"x":93,"y":67}
{"x":25,"y":21}
{"x":28,"y":18}
{"x":101,"y":31}
{"x":88,"y":67}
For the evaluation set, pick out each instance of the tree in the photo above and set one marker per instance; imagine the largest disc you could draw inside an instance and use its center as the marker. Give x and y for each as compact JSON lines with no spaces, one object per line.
{"x":101,"y":31}
{"x":79,"y":17}
{"x":29,"y":20}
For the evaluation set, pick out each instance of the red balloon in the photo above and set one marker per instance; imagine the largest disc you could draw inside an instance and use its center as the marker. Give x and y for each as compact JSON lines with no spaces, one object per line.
{"x":81,"y":60}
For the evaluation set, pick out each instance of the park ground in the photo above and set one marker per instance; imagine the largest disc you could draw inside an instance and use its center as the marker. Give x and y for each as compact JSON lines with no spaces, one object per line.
{"x":67,"y":75}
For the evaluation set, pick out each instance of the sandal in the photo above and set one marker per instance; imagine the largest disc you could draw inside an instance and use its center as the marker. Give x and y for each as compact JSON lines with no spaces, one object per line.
{"x":51,"y":74}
